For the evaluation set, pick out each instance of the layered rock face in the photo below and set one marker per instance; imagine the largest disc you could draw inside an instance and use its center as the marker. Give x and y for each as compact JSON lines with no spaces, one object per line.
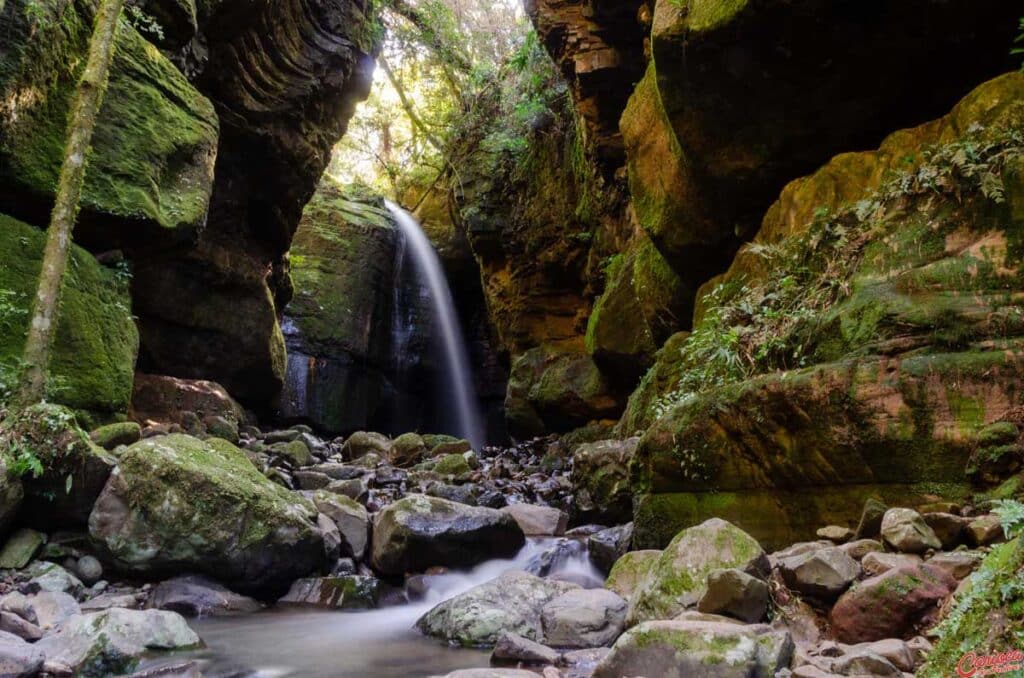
{"x":898,"y":270}
{"x":256,"y":95}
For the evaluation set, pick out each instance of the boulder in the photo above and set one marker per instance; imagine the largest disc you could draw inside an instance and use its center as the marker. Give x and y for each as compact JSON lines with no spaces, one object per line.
{"x":678,"y":579}
{"x":985,"y":530}
{"x":361,"y":443}
{"x":859,"y":548}
{"x":906,"y":531}
{"x":896,"y":651}
{"x":600,"y":480}
{"x":734,"y":593}
{"x":822,"y":574}
{"x":48,"y":610}
{"x":160,"y":399}
{"x":177,"y":503}
{"x":419,"y":532}
{"x":352,"y":520}
{"x":197,"y":596}
{"x":514,"y":649}
{"x":607,"y":546}
{"x":958,"y":564}
{"x":511,"y":603}
{"x":111,"y":642}
{"x":629,"y":571}
{"x":52,"y":577}
{"x":583,"y":618}
{"x":453,"y":468}
{"x":891,"y":604}
{"x":878,"y":562}
{"x":538,"y":521}
{"x":22,"y":628}
{"x":870,"y":525}
{"x":89,"y":569}
{"x":407,"y":450}
{"x":73,"y":469}
{"x":114,"y":435}
{"x":18,"y":658}
{"x":19,"y":549}
{"x":835,"y":534}
{"x":349,"y":592}
{"x":698,"y":649}
{"x":295,"y":452}
{"x":948,"y":528}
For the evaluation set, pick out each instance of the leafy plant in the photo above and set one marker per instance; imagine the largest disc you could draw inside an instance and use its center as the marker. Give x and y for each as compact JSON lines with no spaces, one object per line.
{"x":1011,"y":517}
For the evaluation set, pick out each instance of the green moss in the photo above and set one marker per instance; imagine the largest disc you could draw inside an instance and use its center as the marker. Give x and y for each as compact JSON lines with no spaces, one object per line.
{"x":93,"y":361}
{"x":156,"y":137}
{"x":453,"y":466}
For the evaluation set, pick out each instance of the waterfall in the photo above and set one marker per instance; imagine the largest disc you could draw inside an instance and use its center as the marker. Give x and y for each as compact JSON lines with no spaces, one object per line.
{"x":455,"y":359}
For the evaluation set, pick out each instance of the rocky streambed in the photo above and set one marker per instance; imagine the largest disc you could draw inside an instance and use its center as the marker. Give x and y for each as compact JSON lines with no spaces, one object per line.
{"x":204,"y":548}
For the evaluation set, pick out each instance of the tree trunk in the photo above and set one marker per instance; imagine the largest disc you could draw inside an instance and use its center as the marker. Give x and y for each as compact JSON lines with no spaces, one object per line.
{"x":81,"y":124}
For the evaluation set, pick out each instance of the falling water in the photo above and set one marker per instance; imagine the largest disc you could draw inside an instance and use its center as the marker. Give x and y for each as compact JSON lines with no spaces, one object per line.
{"x":456,"y":362}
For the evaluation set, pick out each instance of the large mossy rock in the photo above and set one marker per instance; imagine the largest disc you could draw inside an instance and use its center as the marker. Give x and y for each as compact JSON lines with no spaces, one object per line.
{"x":176,"y":503}
{"x":151,"y":170}
{"x":746,"y":95}
{"x":419,"y":532}
{"x":338,"y":326}
{"x":678,"y":579}
{"x":886,"y":339}
{"x":988,"y":617}
{"x":93,"y":359}
{"x":600,"y":478}
{"x":72,"y":471}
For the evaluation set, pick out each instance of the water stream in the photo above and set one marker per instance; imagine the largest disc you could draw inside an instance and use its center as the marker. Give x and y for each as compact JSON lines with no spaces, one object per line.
{"x":456,"y":361}
{"x":384,"y":643}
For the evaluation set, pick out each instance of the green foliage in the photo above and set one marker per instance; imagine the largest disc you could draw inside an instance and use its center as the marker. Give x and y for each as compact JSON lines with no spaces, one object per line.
{"x":1011,"y":517}
{"x":757,"y":327}
{"x":1019,"y":51}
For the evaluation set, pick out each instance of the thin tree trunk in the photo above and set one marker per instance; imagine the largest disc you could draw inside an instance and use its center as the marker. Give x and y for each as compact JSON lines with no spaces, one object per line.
{"x":81,"y":124}
{"x":407,"y":105}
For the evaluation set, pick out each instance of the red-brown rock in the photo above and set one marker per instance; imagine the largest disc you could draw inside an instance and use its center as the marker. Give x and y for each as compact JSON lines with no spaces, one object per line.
{"x":890,"y":605}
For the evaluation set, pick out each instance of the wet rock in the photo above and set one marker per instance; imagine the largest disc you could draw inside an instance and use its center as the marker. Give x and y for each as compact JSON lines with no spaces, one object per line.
{"x":295,"y":453}
{"x":361,"y":443}
{"x":876,"y":563}
{"x":177,"y":503}
{"x":350,"y":592}
{"x":419,"y":532}
{"x":836,"y":534}
{"x":105,"y":601}
{"x":958,"y":564}
{"x":114,"y":435}
{"x":906,"y":531}
{"x":197,"y":596}
{"x":678,"y":579}
{"x":985,"y":531}
{"x":221,"y":427}
{"x":947,"y":527}
{"x":407,"y":450}
{"x":607,"y":546}
{"x":630,"y":570}
{"x":113,"y":641}
{"x":584,"y":618}
{"x":581,"y":663}
{"x":351,"y":519}
{"x":311,"y":480}
{"x":891,"y":604}
{"x":462,"y":494}
{"x":20,"y":548}
{"x":823,"y":574}
{"x":538,"y":521}
{"x":24,"y":629}
{"x":52,"y":577}
{"x":336,"y":471}
{"x":897,"y":652}
{"x":47,"y":609}
{"x":18,"y":658}
{"x":510,"y":603}
{"x":734,"y":593}
{"x":600,"y":478}
{"x":685,"y":649}
{"x":512,"y":649}
{"x":354,"y":489}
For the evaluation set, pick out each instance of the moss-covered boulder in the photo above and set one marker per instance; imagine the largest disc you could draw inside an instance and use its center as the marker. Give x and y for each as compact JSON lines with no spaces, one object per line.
{"x":176,"y":503}
{"x":93,"y":359}
{"x":864,"y":345}
{"x":549,"y":390}
{"x":151,"y":170}
{"x":678,"y":579}
{"x":629,"y":571}
{"x":63,"y":471}
{"x":600,"y":479}
{"x":988,"y":617}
